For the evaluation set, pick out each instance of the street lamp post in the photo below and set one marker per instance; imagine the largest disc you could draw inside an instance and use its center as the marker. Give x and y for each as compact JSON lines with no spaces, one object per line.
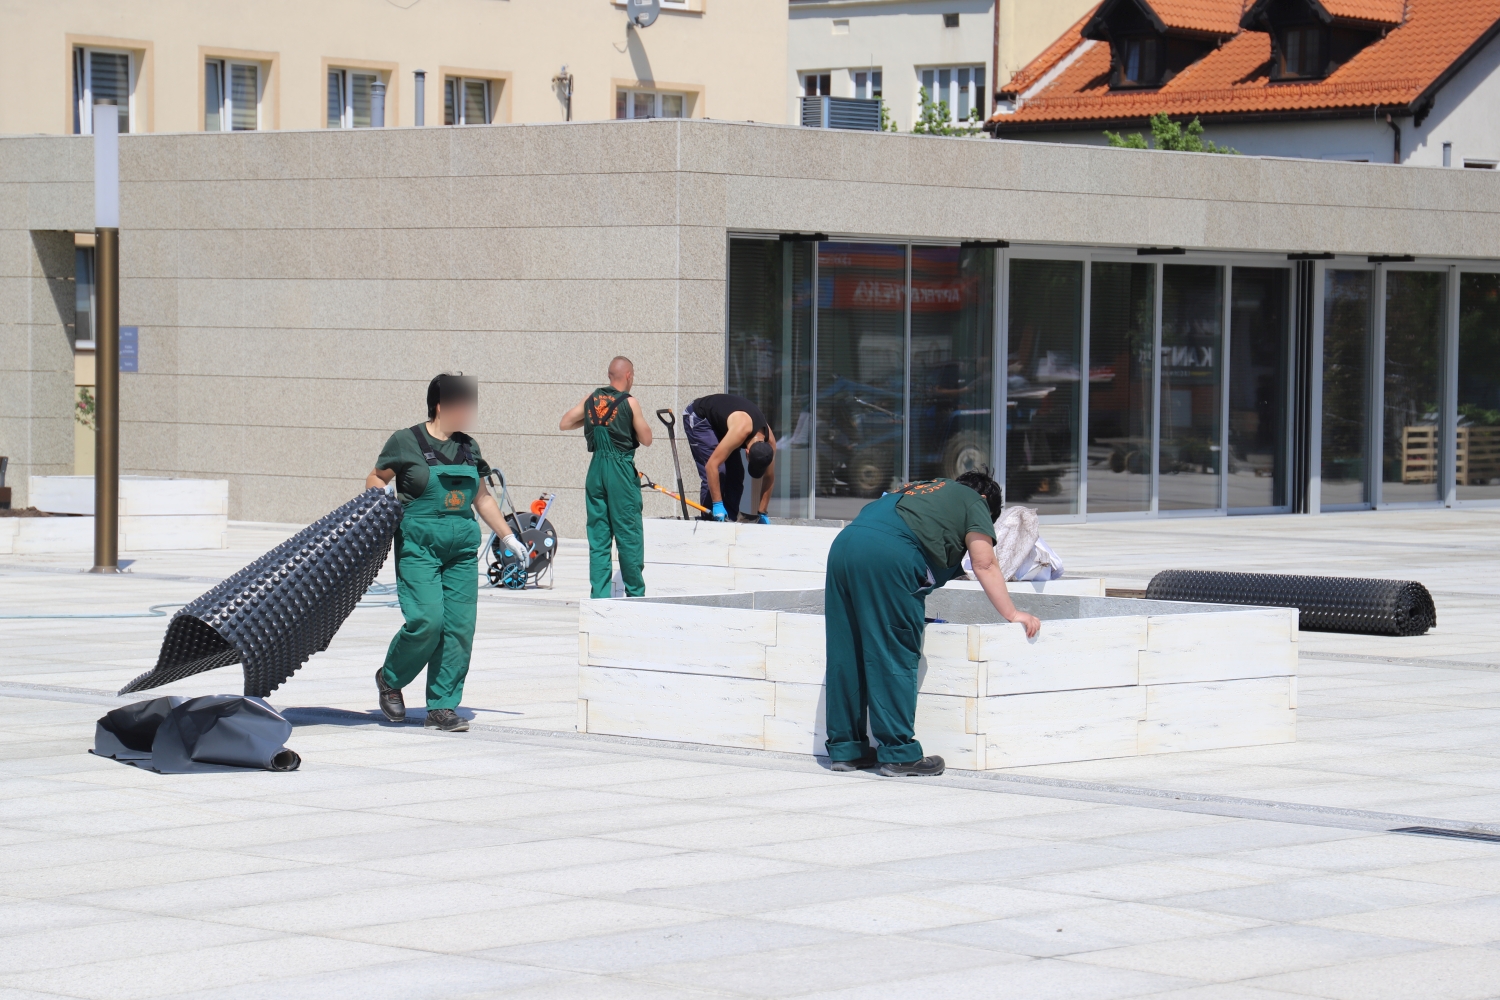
{"x":107,"y":337}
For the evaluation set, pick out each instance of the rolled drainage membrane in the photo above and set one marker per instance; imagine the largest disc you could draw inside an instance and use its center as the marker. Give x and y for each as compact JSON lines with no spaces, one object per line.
{"x":1325,"y":603}
{"x":285,"y":606}
{"x":186,"y":735}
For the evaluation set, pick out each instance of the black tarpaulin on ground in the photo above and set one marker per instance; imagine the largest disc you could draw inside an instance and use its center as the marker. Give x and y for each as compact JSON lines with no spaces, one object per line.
{"x":183,"y":735}
{"x":287,"y":605}
{"x":1325,"y":603}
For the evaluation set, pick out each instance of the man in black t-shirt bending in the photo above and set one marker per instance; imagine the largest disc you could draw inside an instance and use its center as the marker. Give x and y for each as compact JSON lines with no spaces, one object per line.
{"x":719,"y":427}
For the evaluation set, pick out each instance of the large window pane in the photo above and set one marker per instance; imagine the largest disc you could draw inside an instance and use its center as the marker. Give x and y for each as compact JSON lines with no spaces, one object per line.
{"x":109,"y":77}
{"x":952,"y":360}
{"x":770,"y":355}
{"x":1258,"y":381}
{"x":1044,"y":345}
{"x":1479,"y":387}
{"x":861,"y":374}
{"x":476,"y":103}
{"x":335,"y":98}
{"x":1192,"y":322}
{"x":1413,"y":386}
{"x":1347,"y":300}
{"x":244,"y":96}
{"x":213,"y":95}
{"x":1121,"y":320}
{"x":360,"y":86}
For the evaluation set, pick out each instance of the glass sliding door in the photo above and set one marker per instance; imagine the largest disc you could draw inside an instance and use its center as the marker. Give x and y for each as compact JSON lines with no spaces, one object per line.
{"x":1259,"y":377}
{"x":1478,"y":470}
{"x":1122,"y":306}
{"x":1044,"y":349}
{"x":861,"y":374}
{"x":952,"y":360}
{"x":770,"y":356}
{"x":1192,"y":336}
{"x":1412,"y":385}
{"x":1348,"y":314}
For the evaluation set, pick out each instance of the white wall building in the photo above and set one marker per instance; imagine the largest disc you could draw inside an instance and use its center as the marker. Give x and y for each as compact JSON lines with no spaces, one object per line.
{"x":894,"y":48}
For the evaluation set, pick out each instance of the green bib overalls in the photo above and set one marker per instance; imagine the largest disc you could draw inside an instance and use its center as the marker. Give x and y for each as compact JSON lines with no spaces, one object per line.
{"x":612,"y":493}
{"x":874,"y":617}
{"x":437,"y":581}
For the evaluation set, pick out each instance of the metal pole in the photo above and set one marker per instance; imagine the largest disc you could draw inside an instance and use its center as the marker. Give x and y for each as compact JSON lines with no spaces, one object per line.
{"x":107,"y":338}
{"x":420,"y":118}
{"x":377,"y":103}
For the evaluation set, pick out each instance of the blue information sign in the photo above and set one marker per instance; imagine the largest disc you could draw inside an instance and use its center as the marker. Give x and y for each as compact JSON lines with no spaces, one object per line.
{"x":130,"y":350}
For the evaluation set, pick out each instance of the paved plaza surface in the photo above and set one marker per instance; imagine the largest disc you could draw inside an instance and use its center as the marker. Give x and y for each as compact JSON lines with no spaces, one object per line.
{"x":524,"y":860}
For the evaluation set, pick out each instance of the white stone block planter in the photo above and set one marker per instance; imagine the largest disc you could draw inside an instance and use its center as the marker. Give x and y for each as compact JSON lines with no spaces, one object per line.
{"x":707,"y":557}
{"x":1106,"y":677}
{"x":155,"y":513}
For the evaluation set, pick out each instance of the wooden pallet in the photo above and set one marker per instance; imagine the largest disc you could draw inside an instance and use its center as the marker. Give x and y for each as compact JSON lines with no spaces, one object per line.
{"x":1477,"y":460}
{"x":1419,"y":454}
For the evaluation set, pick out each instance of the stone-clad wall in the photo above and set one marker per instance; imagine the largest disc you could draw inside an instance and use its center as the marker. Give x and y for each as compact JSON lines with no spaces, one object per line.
{"x":295,"y":290}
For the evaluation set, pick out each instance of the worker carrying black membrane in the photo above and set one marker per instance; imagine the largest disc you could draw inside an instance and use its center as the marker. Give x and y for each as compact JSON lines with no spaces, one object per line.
{"x":719,"y":429}
{"x":881,"y":568}
{"x":614,"y":426}
{"x":436,"y":470}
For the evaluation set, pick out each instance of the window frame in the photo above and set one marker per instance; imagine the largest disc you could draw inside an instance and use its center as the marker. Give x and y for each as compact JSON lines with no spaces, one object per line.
{"x":1124,"y":80}
{"x":1283,"y":46}
{"x":973,"y":89}
{"x":631,"y":93}
{"x":82,"y":72}
{"x":460,"y":105}
{"x":822,"y":80}
{"x":872,"y":87}
{"x":388,"y":73}
{"x":225,"y":66}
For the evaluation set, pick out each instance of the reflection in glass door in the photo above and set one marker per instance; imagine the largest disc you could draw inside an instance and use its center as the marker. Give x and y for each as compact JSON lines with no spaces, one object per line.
{"x":1348,"y":300}
{"x":1044,"y":346}
{"x":1258,"y":387}
{"x":952,"y":360}
{"x":1414,"y":311}
{"x":861,"y":366}
{"x":1122,"y":306}
{"x":1192,"y":335}
{"x":1478,"y":454}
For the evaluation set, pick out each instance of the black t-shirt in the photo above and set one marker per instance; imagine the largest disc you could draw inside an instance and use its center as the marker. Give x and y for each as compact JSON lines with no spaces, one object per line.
{"x":717,"y":408}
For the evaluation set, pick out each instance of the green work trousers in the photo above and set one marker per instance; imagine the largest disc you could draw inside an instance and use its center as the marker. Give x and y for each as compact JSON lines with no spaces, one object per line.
{"x":612,"y":500}
{"x":437,"y":582}
{"x":874,"y":614}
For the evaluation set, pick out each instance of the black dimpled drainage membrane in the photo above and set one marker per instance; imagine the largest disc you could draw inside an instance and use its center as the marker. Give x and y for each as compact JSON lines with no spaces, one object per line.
{"x":285,"y":606}
{"x":1325,"y":603}
{"x":1437,"y":831}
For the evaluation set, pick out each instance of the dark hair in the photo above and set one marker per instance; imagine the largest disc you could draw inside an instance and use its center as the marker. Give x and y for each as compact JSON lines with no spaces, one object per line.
{"x":981,"y":482}
{"x":760,"y":455}
{"x":450,"y":387}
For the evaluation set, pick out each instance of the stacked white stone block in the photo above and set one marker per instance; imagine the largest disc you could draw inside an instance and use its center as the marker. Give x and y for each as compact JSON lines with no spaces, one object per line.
{"x":1104,"y":678}
{"x":155,"y":513}
{"x":709,"y":557}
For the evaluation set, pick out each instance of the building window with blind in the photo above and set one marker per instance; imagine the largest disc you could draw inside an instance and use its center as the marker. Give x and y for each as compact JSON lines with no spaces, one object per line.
{"x":961,"y":88}
{"x":231,"y":96}
{"x":1303,"y":54}
{"x":650,"y":104}
{"x":351,"y":95}
{"x":867,"y":83}
{"x":103,"y":74}
{"x":467,"y":101}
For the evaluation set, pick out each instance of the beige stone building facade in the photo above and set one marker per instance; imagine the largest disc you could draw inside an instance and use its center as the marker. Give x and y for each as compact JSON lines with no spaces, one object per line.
{"x":295,"y":290}
{"x":210,"y":65}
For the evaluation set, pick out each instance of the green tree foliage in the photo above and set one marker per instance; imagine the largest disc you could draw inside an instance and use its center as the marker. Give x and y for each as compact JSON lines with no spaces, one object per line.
{"x":935,"y":119}
{"x":887,"y":122}
{"x":1167,"y":134}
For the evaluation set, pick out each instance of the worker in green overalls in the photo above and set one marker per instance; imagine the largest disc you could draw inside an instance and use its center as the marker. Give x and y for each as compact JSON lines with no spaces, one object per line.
{"x":614,"y":426}
{"x":435,"y":469}
{"x":881,"y":568}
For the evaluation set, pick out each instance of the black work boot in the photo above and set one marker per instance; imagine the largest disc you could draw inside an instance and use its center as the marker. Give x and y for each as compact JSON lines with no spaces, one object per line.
{"x":927,"y":767}
{"x":391,"y":702}
{"x":446,"y":720}
{"x":862,"y":764}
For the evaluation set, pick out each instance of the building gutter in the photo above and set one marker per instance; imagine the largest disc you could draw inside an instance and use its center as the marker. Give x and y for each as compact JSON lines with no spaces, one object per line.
{"x":996,"y":127}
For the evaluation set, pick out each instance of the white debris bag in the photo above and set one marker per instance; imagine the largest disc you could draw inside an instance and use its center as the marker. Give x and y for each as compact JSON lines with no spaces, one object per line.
{"x":1019,"y":547}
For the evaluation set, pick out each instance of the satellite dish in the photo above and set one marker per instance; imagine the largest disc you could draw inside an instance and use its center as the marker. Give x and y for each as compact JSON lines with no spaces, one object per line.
{"x":643,"y":13}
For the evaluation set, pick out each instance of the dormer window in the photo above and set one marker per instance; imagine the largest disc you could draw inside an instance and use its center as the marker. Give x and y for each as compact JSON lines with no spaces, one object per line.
{"x":1139,"y":65}
{"x":1303,"y":53}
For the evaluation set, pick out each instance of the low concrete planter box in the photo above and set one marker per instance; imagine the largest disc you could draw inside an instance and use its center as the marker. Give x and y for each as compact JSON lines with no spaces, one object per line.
{"x":709,"y":557}
{"x":155,"y":513}
{"x":1106,"y":677}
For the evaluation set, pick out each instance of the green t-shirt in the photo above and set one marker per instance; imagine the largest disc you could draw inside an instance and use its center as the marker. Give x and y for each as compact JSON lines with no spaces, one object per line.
{"x":402,"y":455}
{"x":941,"y":513}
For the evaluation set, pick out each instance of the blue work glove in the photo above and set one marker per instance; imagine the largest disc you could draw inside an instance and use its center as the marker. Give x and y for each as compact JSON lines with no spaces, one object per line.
{"x":763,"y":519}
{"x":720,"y":514}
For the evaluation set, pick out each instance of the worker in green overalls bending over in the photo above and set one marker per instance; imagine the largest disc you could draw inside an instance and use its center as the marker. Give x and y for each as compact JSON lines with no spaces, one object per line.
{"x":435,"y":469}
{"x":881,"y":568}
{"x":614,"y":426}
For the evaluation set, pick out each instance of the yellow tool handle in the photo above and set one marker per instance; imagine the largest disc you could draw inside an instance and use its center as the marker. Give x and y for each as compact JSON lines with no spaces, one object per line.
{"x":674,"y":496}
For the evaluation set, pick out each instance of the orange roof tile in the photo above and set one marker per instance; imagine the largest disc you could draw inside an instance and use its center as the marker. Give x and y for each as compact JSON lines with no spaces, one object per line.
{"x":1050,"y":57}
{"x":1234,"y":79}
{"x":1218,"y":17}
{"x":1378,"y":11}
